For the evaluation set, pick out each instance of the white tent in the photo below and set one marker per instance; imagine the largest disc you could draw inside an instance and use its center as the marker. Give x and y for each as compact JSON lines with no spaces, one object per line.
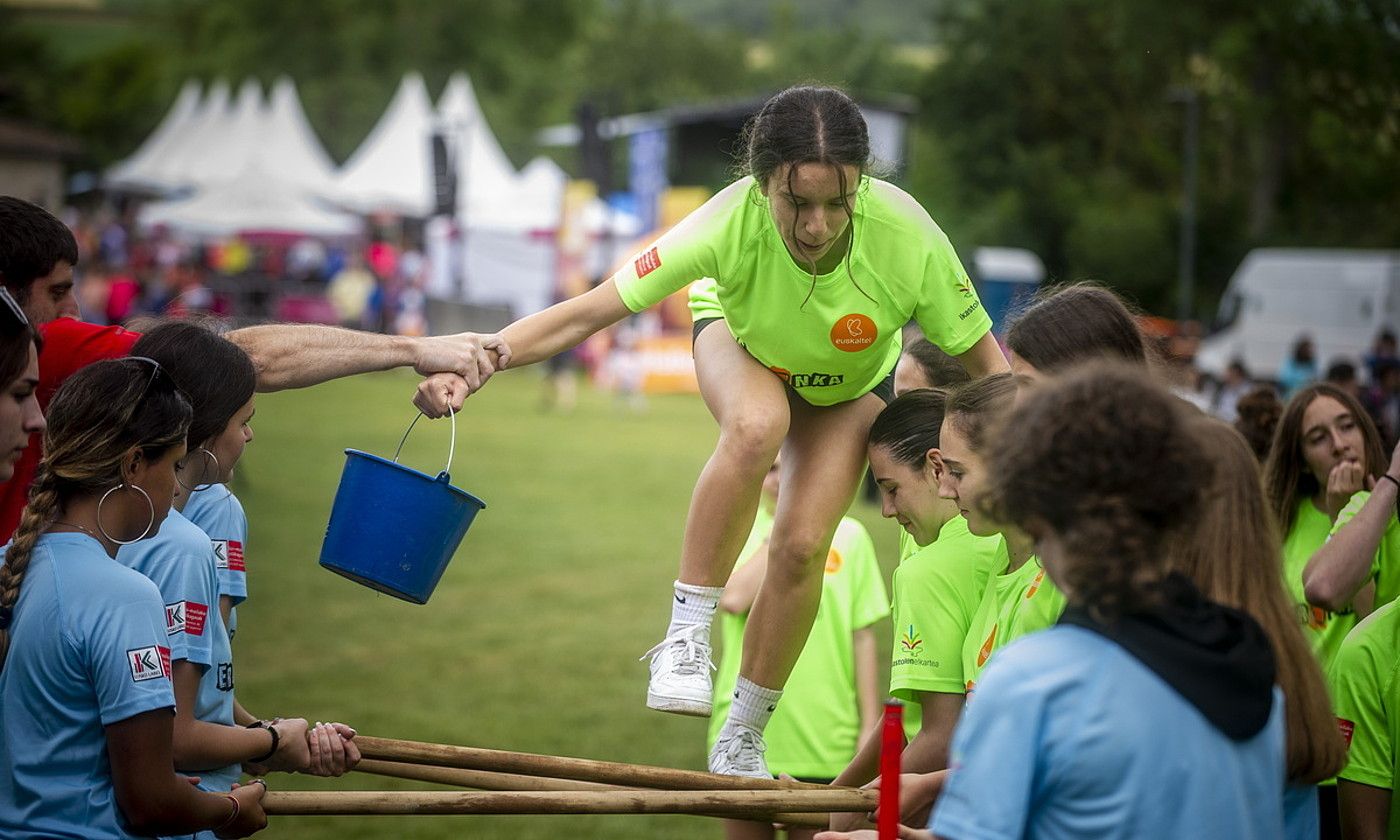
{"x":253,"y":202}
{"x":225,"y":155}
{"x":141,"y":171}
{"x":203,"y":130}
{"x":392,"y":168}
{"x":289,"y":150}
{"x":485,"y":176}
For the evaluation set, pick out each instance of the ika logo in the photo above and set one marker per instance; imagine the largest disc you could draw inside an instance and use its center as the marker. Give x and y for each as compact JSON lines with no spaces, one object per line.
{"x":647,"y":263}
{"x":1347,"y":729}
{"x":911,"y":641}
{"x":853,"y":333}
{"x":148,"y":663}
{"x":965,"y":286}
{"x":808,"y":380}
{"x":228,"y":554}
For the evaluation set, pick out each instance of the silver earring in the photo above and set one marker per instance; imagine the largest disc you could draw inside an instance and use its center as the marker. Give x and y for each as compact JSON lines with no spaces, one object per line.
{"x":208,"y":454}
{"x":149,"y":525}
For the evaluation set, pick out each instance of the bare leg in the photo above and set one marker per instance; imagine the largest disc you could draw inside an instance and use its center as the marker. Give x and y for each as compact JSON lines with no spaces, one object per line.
{"x":823,"y":459}
{"x":748,"y":830}
{"x":750,"y":404}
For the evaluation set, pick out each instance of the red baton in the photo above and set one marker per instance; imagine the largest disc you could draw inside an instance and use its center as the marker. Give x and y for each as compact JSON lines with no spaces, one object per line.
{"x":891,"y":748}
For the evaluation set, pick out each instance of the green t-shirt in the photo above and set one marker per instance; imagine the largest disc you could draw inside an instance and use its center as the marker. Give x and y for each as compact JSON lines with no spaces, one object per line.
{"x":843,"y":339}
{"x":1385,"y":568}
{"x":1325,"y":630}
{"x":816,"y":729}
{"x":936,"y":592}
{"x":1013,"y":605}
{"x":1366,"y":695}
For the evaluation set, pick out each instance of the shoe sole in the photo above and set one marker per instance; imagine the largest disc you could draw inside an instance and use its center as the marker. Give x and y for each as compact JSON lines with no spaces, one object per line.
{"x":679,"y":705}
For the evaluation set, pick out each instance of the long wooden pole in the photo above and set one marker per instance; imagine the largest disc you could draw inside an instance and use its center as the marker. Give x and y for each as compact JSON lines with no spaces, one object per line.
{"x":560,"y":767}
{"x":479,"y":779}
{"x":732,"y":803}
{"x":487,"y":780}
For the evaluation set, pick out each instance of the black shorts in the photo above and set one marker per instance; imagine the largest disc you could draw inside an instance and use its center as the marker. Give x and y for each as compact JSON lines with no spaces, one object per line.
{"x":884,"y":389}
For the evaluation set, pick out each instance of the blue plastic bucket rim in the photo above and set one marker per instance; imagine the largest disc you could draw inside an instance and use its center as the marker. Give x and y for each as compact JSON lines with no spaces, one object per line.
{"x":442,"y":478}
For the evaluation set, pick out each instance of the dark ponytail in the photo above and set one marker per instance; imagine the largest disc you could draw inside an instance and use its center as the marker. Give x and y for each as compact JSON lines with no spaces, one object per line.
{"x":908,"y":427}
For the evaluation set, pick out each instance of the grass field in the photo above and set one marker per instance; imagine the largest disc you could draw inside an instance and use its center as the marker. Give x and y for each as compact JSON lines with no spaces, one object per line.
{"x":531,"y":640}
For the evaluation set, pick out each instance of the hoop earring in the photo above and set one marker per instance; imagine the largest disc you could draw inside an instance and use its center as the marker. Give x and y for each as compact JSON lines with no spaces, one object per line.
{"x":218,"y":468}
{"x":149,"y":525}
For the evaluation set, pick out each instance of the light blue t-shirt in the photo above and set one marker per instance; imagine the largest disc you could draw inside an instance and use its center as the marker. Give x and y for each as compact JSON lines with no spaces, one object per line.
{"x":87,"y":649}
{"x":1069,"y":736}
{"x":1301,"y":818}
{"x":180,"y":561}
{"x":219,"y":514}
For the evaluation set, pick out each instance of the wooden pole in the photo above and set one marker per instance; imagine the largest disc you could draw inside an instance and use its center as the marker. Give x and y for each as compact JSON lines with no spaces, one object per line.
{"x":560,"y":767}
{"x":486,"y":780}
{"x":739,"y":804}
{"x":479,"y":779}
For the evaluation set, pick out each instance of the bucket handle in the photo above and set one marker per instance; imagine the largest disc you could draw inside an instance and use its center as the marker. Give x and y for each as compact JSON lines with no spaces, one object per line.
{"x":451,"y":447}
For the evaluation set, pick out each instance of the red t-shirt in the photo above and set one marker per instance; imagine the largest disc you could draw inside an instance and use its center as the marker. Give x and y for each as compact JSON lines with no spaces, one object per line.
{"x":69,"y":346}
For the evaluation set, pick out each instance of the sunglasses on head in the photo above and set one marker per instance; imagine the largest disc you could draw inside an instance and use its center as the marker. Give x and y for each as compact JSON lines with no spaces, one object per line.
{"x":11,"y":312}
{"x":157,"y":372}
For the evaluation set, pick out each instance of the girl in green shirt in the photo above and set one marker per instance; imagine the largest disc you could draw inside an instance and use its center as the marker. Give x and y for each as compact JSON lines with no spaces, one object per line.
{"x":802,"y":275}
{"x":1326,"y":451}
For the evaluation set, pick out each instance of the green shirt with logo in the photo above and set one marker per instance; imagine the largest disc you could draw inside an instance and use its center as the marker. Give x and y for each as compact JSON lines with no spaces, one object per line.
{"x":816,"y":728}
{"x":1366,"y":695}
{"x":1324,"y":629}
{"x":833,"y":337}
{"x":937,"y":590}
{"x":1014,"y":604}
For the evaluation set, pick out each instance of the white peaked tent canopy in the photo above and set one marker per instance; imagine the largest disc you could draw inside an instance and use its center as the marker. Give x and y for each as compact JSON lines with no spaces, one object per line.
{"x":392,"y":169}
{"x":289,"y":150}
{"x":485,"y":176}
{"x":142,"y":171}
{"x":252,"y":202}
{"x":223,"y":157}
{"x":203,"y":129}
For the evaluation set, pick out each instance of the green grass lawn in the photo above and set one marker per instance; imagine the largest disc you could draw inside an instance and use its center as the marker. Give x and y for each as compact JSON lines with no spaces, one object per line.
{"x":531,"y":640}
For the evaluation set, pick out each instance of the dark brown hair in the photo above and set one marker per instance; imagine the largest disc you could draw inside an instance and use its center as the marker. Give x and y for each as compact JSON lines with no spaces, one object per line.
{"x":216,"y":375}
{"x":939,"y":369}
{"x":1074,"y":324}
{"x":32,"y":242}
{"x":1286,"y":476}
{"x":1104,"y":458}
{"x":1233,"y":558}
{"x":977,"y":406}
{"x":808,"y":124}
{"x":1257,"y":415}
{"x":908,"y":426}
{"x":95,"y":418}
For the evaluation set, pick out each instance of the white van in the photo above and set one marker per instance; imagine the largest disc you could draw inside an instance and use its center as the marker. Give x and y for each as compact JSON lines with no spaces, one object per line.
{"x":1339,"y":299}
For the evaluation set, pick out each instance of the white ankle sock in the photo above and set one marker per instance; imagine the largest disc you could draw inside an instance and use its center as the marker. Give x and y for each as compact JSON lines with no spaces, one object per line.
{"x":693,"y":605}
{"x":753,"y":705}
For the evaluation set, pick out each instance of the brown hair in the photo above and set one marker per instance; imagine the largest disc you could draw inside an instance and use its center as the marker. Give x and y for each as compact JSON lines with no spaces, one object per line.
{"x":99,"y":414}
{"x":809,"y":124}
{"x":940,"y":369}
{"x":1258,"y":413}
{"x":1074,"y":324}
{"x":1286,"y":477}
{"x":1233,"y":558}
{"x":975,"y":407}
{"x":1103,"y":457}
{"x":908,"y":427}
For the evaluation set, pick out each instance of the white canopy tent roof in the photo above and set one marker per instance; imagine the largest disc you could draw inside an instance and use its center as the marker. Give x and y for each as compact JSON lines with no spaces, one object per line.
{"x":230,"y":146}
{"x":253,"y":202}
{"x":289,"y":150}
{"x":392,"y":168}
{"x":485,"y":176}
{"x":142,"y":170}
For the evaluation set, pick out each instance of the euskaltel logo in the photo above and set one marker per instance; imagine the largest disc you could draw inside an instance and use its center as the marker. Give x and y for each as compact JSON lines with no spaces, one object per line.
{"x":853,"y":333}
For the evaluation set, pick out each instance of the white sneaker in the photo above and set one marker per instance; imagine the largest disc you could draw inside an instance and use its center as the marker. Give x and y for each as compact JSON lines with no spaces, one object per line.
{"x":680,"y":673}
{"x":740,"y":753}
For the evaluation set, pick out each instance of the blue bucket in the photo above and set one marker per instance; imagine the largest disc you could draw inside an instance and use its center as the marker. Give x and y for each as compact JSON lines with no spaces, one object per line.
{"x":394,"y":529}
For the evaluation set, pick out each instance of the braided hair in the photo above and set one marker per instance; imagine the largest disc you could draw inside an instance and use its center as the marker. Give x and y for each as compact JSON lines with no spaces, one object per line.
{"x":94,"y":421}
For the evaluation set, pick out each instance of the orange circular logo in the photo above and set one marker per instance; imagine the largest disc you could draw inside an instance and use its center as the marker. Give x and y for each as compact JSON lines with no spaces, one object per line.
{"x":853,"y":332}
{"x":833,"y":561}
